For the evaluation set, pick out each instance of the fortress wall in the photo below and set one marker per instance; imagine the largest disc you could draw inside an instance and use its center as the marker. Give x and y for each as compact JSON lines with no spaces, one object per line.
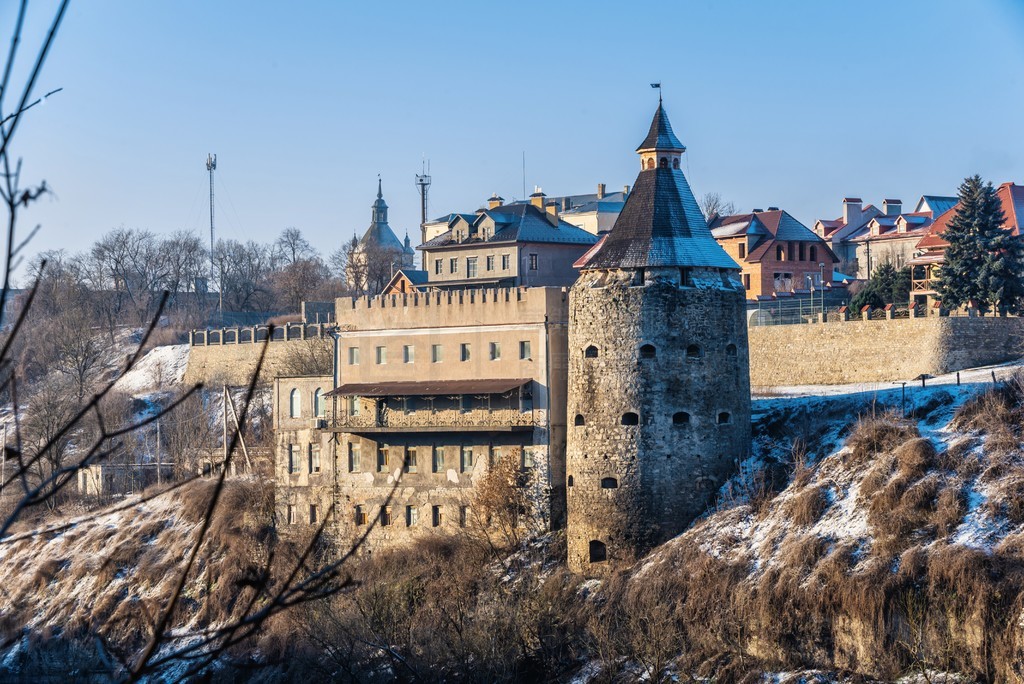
{"x":879,"y":351}
{"x":234,"y":364}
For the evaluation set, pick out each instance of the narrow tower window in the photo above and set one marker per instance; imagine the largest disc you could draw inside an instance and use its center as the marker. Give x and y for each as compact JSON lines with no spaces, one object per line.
{"x":681,"y":418}
{"x":648,"y":351}
{"x":609,"y":483}
{"x":570,"y":481}
{"x":590,"y":352}
{"x":723,"y":418}
{"x":675,"y":163}
{"x":579,"y":420}
{"x":730,"y":350}
{"x":694,"y":352}
{"x":598,"y":551}
{"x":663,"y":163}
{"x":630,"y":419}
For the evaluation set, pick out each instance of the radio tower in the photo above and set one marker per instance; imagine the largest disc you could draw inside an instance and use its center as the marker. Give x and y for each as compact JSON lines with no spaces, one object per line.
{"x":211,"y":166}
{"x":423,"y":184}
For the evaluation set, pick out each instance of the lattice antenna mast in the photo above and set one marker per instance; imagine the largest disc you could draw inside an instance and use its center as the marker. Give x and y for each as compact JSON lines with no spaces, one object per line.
{"x":211,"y":166}
{"x":423,"y":185}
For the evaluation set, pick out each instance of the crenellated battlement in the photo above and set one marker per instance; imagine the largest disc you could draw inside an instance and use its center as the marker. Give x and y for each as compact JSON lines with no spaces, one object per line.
{"x":483,"y":306}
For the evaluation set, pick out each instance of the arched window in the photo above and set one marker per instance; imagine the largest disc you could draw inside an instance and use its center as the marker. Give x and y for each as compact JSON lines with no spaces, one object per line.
{"x":663,"y":163}
{"x":723,"y":418}
{"x":681,"y":418}
{"x":730,"y":350}
{"x":318,"y":403}
{"x":648,"y":351}
{"x":295,"y":404}
{"x":694,"y":352}
{"x":590,"y":352}
{"x":630,"y":419}
{"x":570,"y":481}
{"x":579,"y":420}
{"x":675,"y":163}
{"x":780,"y":253}
{"x":609,"y":483}
{"x":598,"y":551}
{"x":814,"y":253}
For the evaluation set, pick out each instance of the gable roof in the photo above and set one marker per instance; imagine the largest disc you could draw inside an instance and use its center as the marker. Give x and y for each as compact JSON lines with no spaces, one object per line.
{"x":936,"y":204}
{"x":514,"y":223}
{"x":777,"y":225}
{"x":1011,"y":197}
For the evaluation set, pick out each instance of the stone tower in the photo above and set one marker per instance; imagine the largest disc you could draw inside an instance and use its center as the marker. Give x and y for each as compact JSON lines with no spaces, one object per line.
{"x":659,"y":383}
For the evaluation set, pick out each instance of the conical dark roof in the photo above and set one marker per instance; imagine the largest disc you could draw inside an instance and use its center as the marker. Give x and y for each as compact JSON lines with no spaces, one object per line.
{"x":661,"y":137}
{"x":660,"y":224}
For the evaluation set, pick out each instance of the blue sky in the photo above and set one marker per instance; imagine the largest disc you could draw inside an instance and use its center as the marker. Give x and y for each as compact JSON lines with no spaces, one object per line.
{"x":791,"y":104}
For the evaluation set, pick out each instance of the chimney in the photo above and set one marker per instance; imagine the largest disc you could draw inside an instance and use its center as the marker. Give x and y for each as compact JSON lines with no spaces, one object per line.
{"x":773,"y":208}
{"x":537,"y":198}
{"x":758,"y":211}
{"x":494,"y":201}
{"x":625,"y":191}
{"x":566,"y":204}
{"x":892,"y":207}
{"x":552,"y":213}
{"x":851,"y":210}
{"x":600,"y":191}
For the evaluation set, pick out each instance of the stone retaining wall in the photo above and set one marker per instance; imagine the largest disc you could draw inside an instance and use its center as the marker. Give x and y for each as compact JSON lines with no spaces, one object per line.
{"x":879,"y":351}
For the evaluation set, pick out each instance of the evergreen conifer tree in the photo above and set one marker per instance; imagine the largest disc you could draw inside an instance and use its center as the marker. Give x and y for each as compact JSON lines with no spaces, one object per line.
{"x":1000,"y":279}
{"x":979,"y":259}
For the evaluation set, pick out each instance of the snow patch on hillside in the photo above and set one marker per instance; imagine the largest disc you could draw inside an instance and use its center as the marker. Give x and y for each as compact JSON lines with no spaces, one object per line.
{"x":160,"y":369}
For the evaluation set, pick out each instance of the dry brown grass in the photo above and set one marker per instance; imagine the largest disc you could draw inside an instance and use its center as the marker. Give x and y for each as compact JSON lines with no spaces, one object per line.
{"x":915,"y":457}
{"x":878,"y":433}
{"x":806,"y":508}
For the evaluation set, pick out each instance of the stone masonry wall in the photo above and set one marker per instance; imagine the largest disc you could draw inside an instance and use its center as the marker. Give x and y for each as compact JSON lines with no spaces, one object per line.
{"x":879,"y":351}
{"x":233,"y":364}
{"x":634,"y":486}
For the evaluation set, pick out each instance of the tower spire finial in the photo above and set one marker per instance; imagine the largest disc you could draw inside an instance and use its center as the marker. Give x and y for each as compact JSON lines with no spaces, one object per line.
{"x":658,"y":86}
{"x":380,"y":193}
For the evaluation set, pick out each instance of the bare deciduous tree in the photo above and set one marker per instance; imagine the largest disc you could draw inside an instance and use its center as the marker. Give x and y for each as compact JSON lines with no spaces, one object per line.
{"x":712,"y":205}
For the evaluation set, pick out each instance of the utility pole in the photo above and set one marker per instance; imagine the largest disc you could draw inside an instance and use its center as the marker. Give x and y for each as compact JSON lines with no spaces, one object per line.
{"x":3,"y":459}
{"x":211,"y":166}
{"x":224,"y":425}
{"x":158,"y":459}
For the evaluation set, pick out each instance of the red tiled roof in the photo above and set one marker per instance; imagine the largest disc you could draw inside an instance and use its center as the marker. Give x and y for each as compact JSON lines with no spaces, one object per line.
{"x":1011,"y":197}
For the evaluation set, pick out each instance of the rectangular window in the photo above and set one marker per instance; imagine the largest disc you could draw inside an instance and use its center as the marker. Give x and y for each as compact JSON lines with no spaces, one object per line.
{"x":533,"y":262}
{"x":438,"y":462}
{"x":382,"y":459}
{"x":505,"y":262}
{"x":410,"y":461}
{"x":412,"y":516}
{"x":495,"y":351}
{"x":438,"y":266}
{"x":435,"y":353}
{"x":353,"y":458}
{"x":527,"y":458}
{"x":382,"y":355}
{"x":463,"y":516}
{"x":490,"y":262}
{"x":746,"y":281}
{"x":453,"y":265}
{"x":353,"y":406}
{"x":314,"y":458}
{"x":743,"y":250}
{"x":524,"y":350}
{"x":353,"y":356}
{"x":471,"y":267}
{"x":495,"y":455}
{"x":408,"y":353}
{"x":293,"y":458}
{"x":314,"y":514}
{"x":360,"y":515}
{"x":464,"y":351}
{"x":467,"y":459}
{"x":435,"y":516}
{"x":291,"y":514}
{"x":385,"y":516}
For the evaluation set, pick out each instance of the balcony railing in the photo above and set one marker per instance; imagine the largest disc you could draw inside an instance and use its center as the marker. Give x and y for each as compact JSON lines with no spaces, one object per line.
{"x":441,"y":420}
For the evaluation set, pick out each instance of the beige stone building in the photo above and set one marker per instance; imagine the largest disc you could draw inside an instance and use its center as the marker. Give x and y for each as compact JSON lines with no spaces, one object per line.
{"x":429,"y":390}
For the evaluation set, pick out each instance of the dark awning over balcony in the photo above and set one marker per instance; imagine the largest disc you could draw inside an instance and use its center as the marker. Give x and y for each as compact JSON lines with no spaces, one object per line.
{"x":428,"y":388}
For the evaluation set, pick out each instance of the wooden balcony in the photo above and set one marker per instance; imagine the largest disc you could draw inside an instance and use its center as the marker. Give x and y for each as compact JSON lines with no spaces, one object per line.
{"x":390,"y":420}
